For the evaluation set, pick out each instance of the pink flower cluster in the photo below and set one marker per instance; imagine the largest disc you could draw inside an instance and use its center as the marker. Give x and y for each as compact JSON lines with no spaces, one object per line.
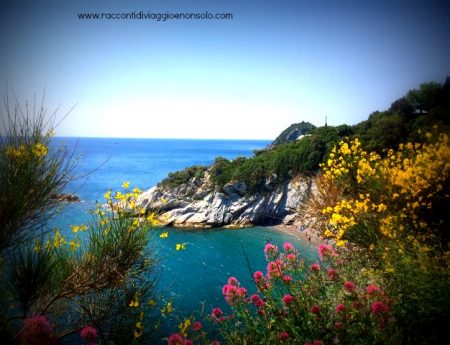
{"x":88,"y":334}
{"x":275,"y":269}
{"x":233,"y":292}
{"x":373,"y":289}
{"x":283,"y":336}
{"x":287,"y":278}
{"x":217,"y":315}
{"x":38,"y":330}
{"x":261,"y":281}
{"x":315,"y":267}
{"x":287,"y":299}
{"x":378,"y":307}
{"x":177,"y":339}
{"x":197,"y":326}
{"x":340,"y":308}
{"x":288,"y":247}
{"x":315,"y":309}
{"x":350,"y":286}
{"x":270,"y":250}
{"x":325,"y":250}
{"x":291,"y":257}
{"x":332,"y":274}
{"x":258,"y":302}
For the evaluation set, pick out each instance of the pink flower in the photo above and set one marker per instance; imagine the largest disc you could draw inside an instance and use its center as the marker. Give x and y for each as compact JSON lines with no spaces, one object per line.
{"x":88,"y":334}
{"x":215,"y":342}
{"x":283,"y":336}
{"x":270,"y":250}
{"x":287,"y":279}
{"x":371,"y":289}
{"x":340,"y":308}
{"x":317,"y":342}
{"x":275,"y":269}
{"x":255,"y":298}
{"x":175,"y":339}
{"x":288,"y":247}
{"x":332,"y":274}
{"x":242,"y":291}
{"x":257,"y":276}
{"x":38,"y":330}
{"x":227,"y":289}
{"x":260,"y":303}
{"x":233,"y":281}
{"x":378,"y":307}
{"x":197,"y":326}
{"x":314,"y":267}
{"x":188,"y":342}
{"x":315,"y":309}
{"x":349,"y":286}
{"x":217,"y":312}
{"x":287,"y":299}
{"x":291,"y":256}
{"x":234,"y":294}
{"x":338,"y":325}
{"x":325,"y":250}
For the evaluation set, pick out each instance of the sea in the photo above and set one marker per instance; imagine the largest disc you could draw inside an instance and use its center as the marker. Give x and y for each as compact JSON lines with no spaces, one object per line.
{"x":191,"y":279}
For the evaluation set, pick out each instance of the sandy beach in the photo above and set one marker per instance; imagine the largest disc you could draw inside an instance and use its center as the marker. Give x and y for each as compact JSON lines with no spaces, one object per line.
{"x":305,"y":235}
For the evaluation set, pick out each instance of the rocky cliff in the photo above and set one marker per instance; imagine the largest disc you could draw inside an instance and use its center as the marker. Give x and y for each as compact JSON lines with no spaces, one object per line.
{"x":198,"y":203}
{"x":292,"y":133}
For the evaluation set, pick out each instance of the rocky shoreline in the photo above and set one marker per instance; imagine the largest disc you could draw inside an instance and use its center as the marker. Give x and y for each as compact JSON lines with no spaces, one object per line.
{"x":71,"y":198}
{"x":199,"y":204}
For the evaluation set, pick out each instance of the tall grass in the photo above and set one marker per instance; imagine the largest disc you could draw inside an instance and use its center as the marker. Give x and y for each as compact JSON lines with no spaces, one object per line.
{"x":32,"y":172}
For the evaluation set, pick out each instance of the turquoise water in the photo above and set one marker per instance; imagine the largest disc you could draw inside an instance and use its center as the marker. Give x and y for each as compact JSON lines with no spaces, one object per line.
{"x":195,"y":275}
{"x":198,"y":273}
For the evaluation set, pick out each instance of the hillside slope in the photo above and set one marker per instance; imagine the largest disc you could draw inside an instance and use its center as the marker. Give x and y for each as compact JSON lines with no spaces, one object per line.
{"x":269,"y":187}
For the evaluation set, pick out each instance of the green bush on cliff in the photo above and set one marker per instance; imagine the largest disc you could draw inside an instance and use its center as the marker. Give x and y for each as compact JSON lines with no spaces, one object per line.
{"x":282,"y":162}
{"x":183,"y":176}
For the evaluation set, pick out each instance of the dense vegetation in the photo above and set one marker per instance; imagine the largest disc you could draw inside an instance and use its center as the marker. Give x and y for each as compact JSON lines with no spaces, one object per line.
{"x":92,"y":284}
{"x":419,"y":109}
{"x":382,"y":278}
{"x":183,"y":176}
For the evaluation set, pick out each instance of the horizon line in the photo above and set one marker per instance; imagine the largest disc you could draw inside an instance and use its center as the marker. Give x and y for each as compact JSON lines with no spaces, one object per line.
{"x":156,"y":138}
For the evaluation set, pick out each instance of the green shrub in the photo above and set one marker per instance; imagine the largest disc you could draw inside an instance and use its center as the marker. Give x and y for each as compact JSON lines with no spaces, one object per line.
{"x":100,"y":282}
{"x":32,"y":174}
{"x":178,"y":178}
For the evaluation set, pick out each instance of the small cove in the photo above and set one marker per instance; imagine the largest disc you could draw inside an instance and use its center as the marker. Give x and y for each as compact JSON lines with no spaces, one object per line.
{"x":190,"y":277}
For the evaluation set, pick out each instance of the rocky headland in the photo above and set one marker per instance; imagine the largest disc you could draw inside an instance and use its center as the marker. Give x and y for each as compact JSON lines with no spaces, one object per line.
{"x":199,"y":204}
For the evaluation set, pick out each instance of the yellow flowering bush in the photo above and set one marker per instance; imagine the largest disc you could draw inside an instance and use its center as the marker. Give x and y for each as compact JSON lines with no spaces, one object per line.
{"x":23,"y":152}
{"x":33,"y":174}
{"x":386,"y":197}
{"x":389,"y":212}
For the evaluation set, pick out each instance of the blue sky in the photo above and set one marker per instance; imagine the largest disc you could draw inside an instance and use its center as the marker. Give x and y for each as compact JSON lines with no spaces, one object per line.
{"x":275,"y":63}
